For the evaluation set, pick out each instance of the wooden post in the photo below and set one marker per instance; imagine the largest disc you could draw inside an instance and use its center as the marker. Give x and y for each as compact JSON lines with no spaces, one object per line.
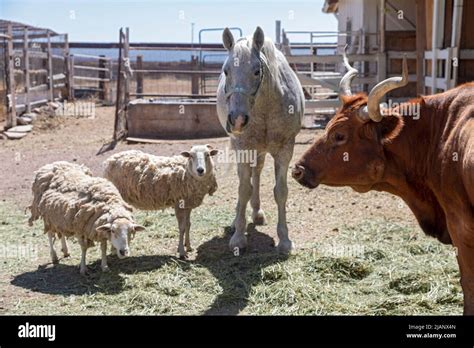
{"x":420,"y":46}
{"x":139,"y":74}
{"x":71,"y":76}
{"x":26,"y":58}
{"x":126,"y":85}
{"x":102,"y":85}
{"x":118,"y":99}
{"x":11,"y":116}
{"x":68,"y":69}
{"x":50,"y":69}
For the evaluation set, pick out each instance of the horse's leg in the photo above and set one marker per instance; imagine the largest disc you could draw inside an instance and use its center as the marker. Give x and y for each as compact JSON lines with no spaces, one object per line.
{"x":258,"y":215}
{"x":280,"y":191}
{"x":239,"y":240}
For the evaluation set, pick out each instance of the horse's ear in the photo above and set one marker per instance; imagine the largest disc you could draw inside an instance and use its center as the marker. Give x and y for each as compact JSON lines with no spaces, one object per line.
{"x":258,"y":39}
{"x":228,"y":39}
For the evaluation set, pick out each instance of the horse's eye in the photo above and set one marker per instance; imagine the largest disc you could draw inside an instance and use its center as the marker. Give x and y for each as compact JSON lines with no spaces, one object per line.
{"x":257,"y":73}
{"x":225,"y":72}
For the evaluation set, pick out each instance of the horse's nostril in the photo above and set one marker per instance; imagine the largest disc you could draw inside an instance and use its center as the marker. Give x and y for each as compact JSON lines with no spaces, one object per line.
{"x":246,"y":120}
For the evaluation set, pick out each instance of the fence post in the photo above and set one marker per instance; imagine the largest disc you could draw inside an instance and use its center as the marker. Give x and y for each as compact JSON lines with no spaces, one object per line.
{"x":139,"y":74}
{"x":102,"y":84}
{"x":26,"y":58}
{"x":68,"y":69}
{"x":50,"y":69}
{"x":195,"y":77}
{"x":11,"y":116}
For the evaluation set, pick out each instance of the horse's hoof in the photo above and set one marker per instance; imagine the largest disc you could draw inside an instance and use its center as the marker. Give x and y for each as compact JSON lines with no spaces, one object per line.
{"x":238,"y":244}
{"x":259,"y":218}
{"x":285,"y":247}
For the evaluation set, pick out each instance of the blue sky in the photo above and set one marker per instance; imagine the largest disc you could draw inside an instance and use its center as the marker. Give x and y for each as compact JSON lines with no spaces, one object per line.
{"x":165,"y":20}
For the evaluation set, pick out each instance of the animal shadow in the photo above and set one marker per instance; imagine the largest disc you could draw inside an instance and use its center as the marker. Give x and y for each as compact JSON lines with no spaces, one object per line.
{"x":62,"y":279}
{"x":236,"y":274}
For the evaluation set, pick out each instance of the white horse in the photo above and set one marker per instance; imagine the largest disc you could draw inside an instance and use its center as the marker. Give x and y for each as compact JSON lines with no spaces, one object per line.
{"x":260,"y":103}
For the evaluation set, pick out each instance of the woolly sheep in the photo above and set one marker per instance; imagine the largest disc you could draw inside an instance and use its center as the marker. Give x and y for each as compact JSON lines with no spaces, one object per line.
{"x":72,"y":202}
{"x":151,"y":182}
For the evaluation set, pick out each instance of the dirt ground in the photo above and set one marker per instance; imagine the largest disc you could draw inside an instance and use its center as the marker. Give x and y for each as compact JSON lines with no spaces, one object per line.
{"x":79,"y":140}
{"x":401,"y":271}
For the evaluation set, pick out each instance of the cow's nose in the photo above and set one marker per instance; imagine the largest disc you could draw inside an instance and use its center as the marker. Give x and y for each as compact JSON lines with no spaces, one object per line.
{"x":200,"y":170}
{"x":298,"y":172}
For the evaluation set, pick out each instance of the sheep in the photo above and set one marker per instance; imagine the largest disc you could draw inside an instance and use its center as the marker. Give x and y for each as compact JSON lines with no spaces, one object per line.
{"x":151,"y":182}
{"x":72,"y":202}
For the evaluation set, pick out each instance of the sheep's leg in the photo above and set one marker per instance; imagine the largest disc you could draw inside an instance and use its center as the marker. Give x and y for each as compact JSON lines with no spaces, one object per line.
{"x":258,"y":215}
{"x":103,"y":248}
{"x":83,"y":244}
{"x":239,"y":240}
{"x":280,"y":191}
{"x":181,"y":217}
{"x":187,"y":240}
{"x":64,"y":247}
{"x":52,"y":239}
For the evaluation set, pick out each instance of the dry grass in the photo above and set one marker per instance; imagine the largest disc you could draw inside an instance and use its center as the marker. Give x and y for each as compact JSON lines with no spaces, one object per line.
{"x":375,"y":268}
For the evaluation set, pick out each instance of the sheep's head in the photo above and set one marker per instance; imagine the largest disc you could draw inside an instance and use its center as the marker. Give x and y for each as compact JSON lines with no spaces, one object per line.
{"x":119,"y":233}
{"x":199,"y":160}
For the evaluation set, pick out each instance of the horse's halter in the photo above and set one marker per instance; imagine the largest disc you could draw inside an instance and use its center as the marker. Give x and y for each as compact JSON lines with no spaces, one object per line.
{"x":242,"y":90}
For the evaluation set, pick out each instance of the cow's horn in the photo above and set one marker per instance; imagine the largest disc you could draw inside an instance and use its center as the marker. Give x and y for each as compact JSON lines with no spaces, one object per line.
{"x":345,"y":83}
{"x":372,"y":109}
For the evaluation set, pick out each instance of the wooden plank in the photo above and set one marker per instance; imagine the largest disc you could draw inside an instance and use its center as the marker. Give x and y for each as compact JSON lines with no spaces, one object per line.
{"x":50,"y":70}
{"x":26,"y":58}
{"x":326,"y":103}
{"x":11,"y":116}
{"x":90,"y":56}
{"x":93,"y":68}
{"x":171,"y":95}
{"x":98,"y":79}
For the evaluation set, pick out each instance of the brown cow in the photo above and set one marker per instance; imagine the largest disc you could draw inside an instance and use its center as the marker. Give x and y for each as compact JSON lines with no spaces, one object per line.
{"x":427,"y":159}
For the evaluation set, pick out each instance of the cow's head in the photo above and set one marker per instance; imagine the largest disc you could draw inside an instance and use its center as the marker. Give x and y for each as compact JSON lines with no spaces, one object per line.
{"x":351,"y":151}
{"x":243,"y":70}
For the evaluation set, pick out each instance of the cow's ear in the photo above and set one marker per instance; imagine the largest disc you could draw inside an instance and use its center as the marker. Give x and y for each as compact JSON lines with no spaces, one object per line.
{"x":389,"y":128}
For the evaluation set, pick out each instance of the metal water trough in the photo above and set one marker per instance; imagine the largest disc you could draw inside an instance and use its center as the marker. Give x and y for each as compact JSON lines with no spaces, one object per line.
{"x":173,"y":118}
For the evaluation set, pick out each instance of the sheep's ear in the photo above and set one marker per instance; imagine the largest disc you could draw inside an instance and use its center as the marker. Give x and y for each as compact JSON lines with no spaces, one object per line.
{"x":104,"y":230}
{"x":213,"y":152}
{"x":258,"y":39}
{"x":138,"y":228}
{"x":228,"y":39}
{"x":185,"y":154}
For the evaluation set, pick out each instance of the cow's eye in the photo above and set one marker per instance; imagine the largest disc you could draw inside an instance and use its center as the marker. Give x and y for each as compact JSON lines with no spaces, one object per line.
{"x":339,"y":137}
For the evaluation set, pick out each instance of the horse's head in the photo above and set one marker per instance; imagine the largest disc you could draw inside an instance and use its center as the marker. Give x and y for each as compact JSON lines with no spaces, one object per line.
{"x":243,"y":70}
